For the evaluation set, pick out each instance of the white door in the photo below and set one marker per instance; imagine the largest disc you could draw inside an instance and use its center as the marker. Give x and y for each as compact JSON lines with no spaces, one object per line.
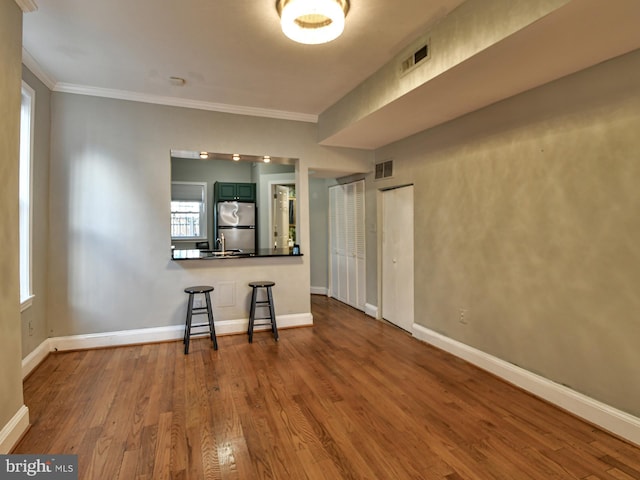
{"x":397,"y":256}
{"x":280,"y":216}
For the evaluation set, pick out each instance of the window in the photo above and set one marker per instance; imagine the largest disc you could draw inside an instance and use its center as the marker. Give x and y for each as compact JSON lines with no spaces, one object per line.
{"x":188,"y":211}
{"x":25,"y":192}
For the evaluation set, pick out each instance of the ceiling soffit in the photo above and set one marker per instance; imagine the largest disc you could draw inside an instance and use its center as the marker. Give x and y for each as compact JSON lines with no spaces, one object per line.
{"x":575,"y":36}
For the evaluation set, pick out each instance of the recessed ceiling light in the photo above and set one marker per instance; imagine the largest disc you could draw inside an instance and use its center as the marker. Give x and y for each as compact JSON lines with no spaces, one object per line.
{"x":236,"y":157}
{"x":204,"y":155}
{"x":266,"y":159}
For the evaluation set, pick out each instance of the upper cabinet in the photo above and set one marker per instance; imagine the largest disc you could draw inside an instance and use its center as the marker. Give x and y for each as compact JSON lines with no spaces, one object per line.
{"x":239,"y":192}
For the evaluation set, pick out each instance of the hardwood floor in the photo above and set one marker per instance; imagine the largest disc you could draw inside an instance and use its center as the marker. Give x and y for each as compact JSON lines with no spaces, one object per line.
{"x":350,"y":398}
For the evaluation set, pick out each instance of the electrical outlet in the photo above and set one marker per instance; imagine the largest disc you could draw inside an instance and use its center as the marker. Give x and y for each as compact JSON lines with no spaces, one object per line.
{"x":464,"y":316}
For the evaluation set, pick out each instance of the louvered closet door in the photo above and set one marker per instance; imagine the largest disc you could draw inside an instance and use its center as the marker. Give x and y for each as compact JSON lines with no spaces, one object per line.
{"x":347,"y":244}
{"x":361,"y":250}
{"x":338,"y":243}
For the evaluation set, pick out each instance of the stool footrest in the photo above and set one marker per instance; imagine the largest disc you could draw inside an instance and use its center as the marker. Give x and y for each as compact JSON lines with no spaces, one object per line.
{"x":200,"y":325}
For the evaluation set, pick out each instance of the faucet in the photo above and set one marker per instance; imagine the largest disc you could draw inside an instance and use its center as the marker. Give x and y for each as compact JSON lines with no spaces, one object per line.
{"x":220,"y":242}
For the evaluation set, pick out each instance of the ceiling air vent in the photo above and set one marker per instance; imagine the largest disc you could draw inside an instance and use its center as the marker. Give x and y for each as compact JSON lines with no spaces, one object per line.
{"x":418,"y":57}
{"x":384,"y":169}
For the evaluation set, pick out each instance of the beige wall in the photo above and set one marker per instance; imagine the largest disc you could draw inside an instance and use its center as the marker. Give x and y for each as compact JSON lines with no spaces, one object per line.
{"x":472,"y":27}
{"x":109,"y":249}
{"x":34,"y":319}
{"x":10,"y":84}
{"x":526,"y":215}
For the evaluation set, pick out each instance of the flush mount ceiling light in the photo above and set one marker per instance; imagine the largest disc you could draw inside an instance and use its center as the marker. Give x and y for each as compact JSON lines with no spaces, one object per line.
{"x":204,"y":155}
{"x":312,"y":21}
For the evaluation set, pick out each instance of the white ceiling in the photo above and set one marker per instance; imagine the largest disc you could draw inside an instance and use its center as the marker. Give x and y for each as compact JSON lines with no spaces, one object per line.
{"x":234,"y":57}
{"x":230,"y":52}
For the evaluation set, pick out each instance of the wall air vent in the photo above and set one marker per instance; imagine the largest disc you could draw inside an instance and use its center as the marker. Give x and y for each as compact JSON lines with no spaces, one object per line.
{"x":384,"y":169}
{"x":418,"y":57}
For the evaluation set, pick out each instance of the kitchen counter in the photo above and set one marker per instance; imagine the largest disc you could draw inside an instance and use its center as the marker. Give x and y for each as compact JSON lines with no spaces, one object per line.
{"x":216,"y":255}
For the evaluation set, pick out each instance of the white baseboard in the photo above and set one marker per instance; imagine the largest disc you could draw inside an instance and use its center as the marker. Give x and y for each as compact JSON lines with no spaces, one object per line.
{"x":616,"y":421}
{"x":319,"y":291}
{"x":14,"y":429}
{"x":32,"y":360}
{"x":611,"y":419}
{"x":118,"y":338}
{"x":163,"y":334}
{"x":371,"y":310}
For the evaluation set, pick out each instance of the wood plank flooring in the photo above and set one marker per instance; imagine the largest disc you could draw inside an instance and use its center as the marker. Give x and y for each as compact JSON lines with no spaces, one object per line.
{"x":350,"y":398}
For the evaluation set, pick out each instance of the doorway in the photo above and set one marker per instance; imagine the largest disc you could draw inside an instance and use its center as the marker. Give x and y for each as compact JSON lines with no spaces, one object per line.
{"x":283,"y":218}
{"x":397,"y":257}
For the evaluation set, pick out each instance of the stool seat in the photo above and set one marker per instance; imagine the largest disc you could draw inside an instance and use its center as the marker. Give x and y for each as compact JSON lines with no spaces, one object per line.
{"x":199,"y":289}
{"x":262,"y":284}
{"x":266,"y":304}
{"x":206,"y":310}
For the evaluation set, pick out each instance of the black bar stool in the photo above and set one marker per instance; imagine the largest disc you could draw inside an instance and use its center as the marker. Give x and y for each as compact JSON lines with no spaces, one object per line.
{"x":265,"y":304}
{"x":206,"y":310}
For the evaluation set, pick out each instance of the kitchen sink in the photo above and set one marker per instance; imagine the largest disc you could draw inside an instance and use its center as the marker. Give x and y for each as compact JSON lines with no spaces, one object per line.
{"x":225,"y":253}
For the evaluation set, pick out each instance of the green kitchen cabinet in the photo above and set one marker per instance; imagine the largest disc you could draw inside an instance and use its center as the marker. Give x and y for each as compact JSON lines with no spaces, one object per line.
{"x":239,"y":192}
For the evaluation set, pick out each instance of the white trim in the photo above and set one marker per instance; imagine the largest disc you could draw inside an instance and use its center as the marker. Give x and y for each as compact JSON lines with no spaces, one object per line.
{"x":319,"y":291}
{"x":28,"y":99}
{"x":27,"y":5}
{"x":14,"y":429}
{"x":34,"y":359}
{"x":182,"y":102}
{"x":26,"y":303}
{"x":37,"y":70}
{"x":371,"y":310}
{"x":204,"y":209}
{"x":143,"y":335}
{"x":162,"y":334}
{"x":63,"y":87}
{"x":615,"y":421}
{"x":267,"y":181}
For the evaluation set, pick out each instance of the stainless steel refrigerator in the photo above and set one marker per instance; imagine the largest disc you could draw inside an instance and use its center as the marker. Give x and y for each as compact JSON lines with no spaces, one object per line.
{"x":237,"y":221}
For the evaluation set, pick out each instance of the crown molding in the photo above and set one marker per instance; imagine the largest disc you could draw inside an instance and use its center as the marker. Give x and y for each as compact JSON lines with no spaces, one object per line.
{"x":182,"y":102}
{"x":37,"y":70}
{"x":27,"y":5}
{"x":56,"y":86}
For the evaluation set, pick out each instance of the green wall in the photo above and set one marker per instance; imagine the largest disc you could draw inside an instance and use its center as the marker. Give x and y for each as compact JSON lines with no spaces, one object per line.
{"x":319,"y":233}
{"x":10,"y":85}
{"x":526,"y":215}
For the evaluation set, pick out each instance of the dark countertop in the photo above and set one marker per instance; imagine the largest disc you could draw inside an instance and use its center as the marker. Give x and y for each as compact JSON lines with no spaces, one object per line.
{"x":213,"y":255}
